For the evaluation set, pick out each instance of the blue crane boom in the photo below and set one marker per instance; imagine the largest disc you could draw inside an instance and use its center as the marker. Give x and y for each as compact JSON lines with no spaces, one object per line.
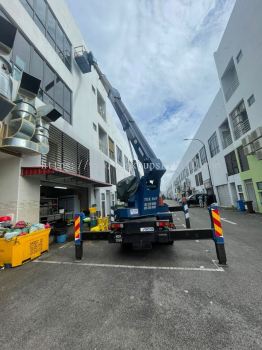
{"x":144,"y":152}
{"x":141,"y":195}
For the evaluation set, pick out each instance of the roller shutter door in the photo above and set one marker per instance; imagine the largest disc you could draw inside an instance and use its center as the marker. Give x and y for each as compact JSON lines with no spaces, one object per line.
{"x":224,"y":196}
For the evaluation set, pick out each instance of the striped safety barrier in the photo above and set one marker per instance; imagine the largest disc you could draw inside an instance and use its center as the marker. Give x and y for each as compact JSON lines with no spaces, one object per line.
{"x":218,"y":231}
{"x":77,"y":230}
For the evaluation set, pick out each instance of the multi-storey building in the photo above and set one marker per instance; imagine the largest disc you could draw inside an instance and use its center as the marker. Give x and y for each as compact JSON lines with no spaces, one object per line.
{"x":88,"y":153}
{"x":231,"y":131}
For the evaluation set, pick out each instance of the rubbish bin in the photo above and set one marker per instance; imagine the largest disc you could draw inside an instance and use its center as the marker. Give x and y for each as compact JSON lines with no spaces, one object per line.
{"x":249,"y":205}
{"x":241,"y":205}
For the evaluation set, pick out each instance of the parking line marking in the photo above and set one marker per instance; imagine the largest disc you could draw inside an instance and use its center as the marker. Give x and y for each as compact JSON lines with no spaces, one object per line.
{"x":217,"y":269}
{"x":230,"y":222}
{"x":220,"y":268}
{"x":64,"y":245}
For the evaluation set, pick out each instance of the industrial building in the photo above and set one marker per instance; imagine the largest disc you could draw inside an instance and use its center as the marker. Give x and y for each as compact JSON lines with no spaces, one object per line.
{"x":225,"y":156}
{"x":87,"y":152}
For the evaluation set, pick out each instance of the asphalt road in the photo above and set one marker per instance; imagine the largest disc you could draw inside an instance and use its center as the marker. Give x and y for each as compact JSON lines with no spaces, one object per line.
{"x":172,"y":297}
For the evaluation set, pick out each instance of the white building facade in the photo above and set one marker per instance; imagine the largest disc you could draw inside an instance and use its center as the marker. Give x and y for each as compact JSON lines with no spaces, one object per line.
{"x":88,"y":153}
{"x":232,"y":128}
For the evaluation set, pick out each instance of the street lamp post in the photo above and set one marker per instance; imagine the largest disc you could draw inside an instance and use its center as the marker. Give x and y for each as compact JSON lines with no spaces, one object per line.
{"x":211,"y":182}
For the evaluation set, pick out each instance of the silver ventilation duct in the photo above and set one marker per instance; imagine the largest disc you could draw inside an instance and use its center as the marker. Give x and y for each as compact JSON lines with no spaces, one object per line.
{"x":23,"y":121}
{"x":27,"y":127}
{"x":41,"y":135}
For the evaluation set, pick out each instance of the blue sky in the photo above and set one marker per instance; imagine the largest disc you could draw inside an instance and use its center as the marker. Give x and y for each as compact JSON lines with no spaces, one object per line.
{"x":159,"y":55}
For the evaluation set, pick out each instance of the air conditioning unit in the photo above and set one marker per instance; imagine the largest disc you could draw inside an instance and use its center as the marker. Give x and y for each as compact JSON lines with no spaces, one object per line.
{"x":250,"y":139}
{"x":245,"y":141}
{"x":257,"y":144}
{"x":259,"y":154}
{"x":248,"y":149}
{"x":256,"y":134}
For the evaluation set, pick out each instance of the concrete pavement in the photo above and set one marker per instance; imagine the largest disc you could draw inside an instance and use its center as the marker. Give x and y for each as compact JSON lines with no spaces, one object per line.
{"x":117,"y":299}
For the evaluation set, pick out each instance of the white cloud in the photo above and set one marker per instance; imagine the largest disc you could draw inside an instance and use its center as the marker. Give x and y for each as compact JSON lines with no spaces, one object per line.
{"x":158,"y":53}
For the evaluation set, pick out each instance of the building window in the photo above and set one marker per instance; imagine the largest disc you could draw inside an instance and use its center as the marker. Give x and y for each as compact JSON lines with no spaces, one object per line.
{"x":46,"y":21}
{"x":107,"y":172}
{"x":40,"y":14}
{"x":240,"y":192}
{"x":239,"y":56}
{"x":231,"y":163}
{"x":126,"y":163}
{"x":101,"y":105}
{"x":199,"y":179}
{"x":29,"y":4}
{"x":51,"y":28}
{"x":52,"y":89}
{"x":213,"y":145}
{"x":113,"y":199}
{"x":37,"y":66}
{"x":203,"y":156}
{"x":259,"y":186}
{"x":21,"y":52}
{"x":196,"y":162}
{"x":185,"y":173}
{"x":94,"y":127}
{"x":251,"y":100}
{"x":239,"y":119}
{"x":242,"y":159}
{"x":102,"y":135}
{"x":196,"y":179}
{"x":113,"y":175}
{"x":190,"y":165}
{"x":229,"y":80}
{"x":93,"y":89}
{"x":111,"y":149}
{"x":49,"y":81}
{"x":225,"y":134}
{"x":119,"y":156}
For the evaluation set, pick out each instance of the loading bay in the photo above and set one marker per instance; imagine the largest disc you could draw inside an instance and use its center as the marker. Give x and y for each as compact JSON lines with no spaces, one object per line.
{"x":170,"y":297}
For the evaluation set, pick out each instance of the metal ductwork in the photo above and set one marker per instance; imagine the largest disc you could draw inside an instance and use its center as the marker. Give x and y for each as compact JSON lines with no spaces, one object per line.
{"x":26,"y":127}
{"x":23,"y":121}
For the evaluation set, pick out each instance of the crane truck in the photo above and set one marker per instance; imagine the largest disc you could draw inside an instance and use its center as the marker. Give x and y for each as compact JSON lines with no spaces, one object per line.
{"x":145,"y":220}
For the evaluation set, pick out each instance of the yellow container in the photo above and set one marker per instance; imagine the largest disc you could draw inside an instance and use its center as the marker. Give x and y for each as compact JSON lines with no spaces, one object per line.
{"x":20,"y":249}
{"x":92,"y":210}
{"x":102,"y":224}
